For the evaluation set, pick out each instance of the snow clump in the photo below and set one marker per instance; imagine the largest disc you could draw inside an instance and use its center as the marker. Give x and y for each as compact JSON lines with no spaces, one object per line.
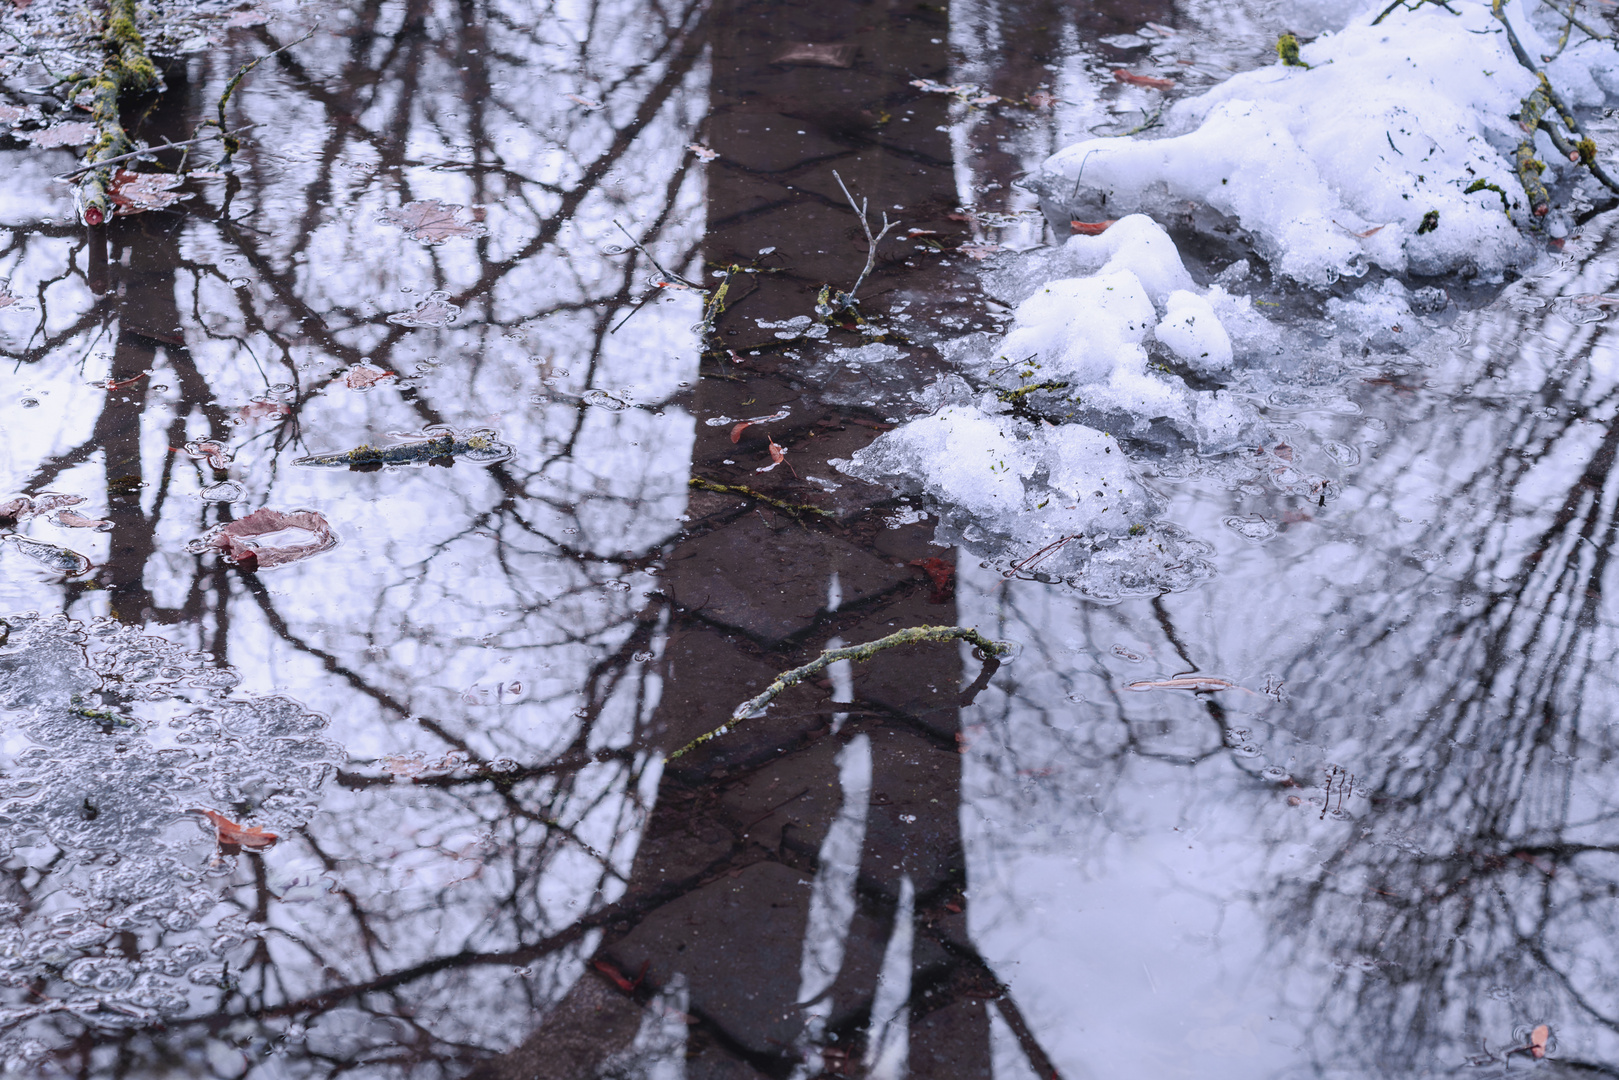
{"x":1363,"y":158}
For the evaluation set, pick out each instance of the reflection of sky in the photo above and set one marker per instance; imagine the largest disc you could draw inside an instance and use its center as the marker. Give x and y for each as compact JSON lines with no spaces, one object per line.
{"x":491,"y":611}
{"x":1143,"y":880}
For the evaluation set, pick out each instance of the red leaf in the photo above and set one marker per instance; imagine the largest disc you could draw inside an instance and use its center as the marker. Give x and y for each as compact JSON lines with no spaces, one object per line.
{"x":252,"y":838}
{"x":1089,"y":228}
{"x":613,"y":973}
{"x":1150,"y":81}
{"x":736,"y":432}
{"x":1537,"y":1040}
{"x":939,"y":571}
{"x":433,"y":222}
{"x":777,"y":454}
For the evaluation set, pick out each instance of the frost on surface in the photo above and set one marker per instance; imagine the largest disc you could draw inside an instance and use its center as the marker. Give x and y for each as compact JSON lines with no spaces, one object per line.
{"x":1334,"y":168}
{"x":112,"y":743}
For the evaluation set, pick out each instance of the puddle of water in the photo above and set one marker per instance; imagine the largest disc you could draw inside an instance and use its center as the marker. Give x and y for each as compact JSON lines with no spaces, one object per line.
{"x":431,"y":496}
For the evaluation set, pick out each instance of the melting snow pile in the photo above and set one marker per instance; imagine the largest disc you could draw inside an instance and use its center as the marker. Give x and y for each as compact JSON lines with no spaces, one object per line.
{"x":1062,"y":493}
{"x":1365,"y":157}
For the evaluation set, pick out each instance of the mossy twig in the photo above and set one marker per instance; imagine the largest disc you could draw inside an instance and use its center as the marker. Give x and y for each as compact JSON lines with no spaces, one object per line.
{"x":755,"y":706}
{"x":126,"y":69}
{"x":737,"y":489}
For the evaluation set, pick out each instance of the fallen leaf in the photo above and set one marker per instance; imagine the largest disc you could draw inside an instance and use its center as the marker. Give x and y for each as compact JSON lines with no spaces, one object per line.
{"x":6,"y":298}
{"x":1150,"y":81}
{"x":72,"y":519}
{"x":135,"y":193}
{"x":363,"y":377}
{"x":10,"y":114}
{"x":217,"y":454}
{"x":976,"y":250}
{"x":118,"y":384}
{"x":777,"y":456}
{"x":264,"y":410}
{"x":268,"y":538}
{"x":1089,"y":228}
{"x":435,"y":311}
{"x":72,"y":133}
{"x":736,"y":432}
{"x":617,"y":976}
{"x":835,"y":56}
{"x":230,"y":833}
{"x":1041,"y":100}
{"x":703,"y":153}
{"x":586,"y":102}
{"x":248,"y":18}
{"x":432,"y":221}
{"x":1537,"y":1040}
{"x":939,"y":571}
{"x":1184,"y":682}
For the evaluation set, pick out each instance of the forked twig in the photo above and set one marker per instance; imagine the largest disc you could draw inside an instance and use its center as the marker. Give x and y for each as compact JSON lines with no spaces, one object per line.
{"x":871,"y":241}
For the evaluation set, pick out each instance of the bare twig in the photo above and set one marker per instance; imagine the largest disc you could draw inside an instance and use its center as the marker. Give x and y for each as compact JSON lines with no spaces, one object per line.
{"x":82,"y":169}
{"x":859,"y":208}
{"x":755,"y":706}
{"x":231,"y":143}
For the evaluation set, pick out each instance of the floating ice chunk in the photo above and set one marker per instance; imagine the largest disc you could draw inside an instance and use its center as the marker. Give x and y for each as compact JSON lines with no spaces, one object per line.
{"x":1192,"y":331}
{"x":1335,"y":167}
{"x":1380,"y":314}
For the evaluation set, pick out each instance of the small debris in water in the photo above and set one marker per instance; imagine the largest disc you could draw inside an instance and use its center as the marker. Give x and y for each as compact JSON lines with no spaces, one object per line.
{"x":1199,"y":683}
{"x":435,"y":444}
{"x":64,"y":561}
{"x":435,"y":311}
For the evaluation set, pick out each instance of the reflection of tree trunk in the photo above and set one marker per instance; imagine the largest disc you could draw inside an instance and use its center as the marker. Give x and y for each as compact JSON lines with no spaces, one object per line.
{"x":144,"y":255}
{"x":740,"y":829}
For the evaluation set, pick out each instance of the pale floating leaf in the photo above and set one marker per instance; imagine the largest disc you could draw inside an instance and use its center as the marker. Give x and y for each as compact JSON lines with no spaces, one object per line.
{"x":435,"y":311}
{"x":432,"y":222}
{"x":362,"y":377}
{"x":72,"y":133}
{"x":136,"y":193}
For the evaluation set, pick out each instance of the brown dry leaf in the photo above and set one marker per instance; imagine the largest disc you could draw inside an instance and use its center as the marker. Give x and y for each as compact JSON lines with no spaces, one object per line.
{"x":72,"y":133}
{"x":46,"y":501}
{"x":264,"y":410}
{"x":1537,"y":1040}
{"x":1089,"y":228}
{"x":72,"y":519}
{"x":363,"y":377}
{"x":268,"y":538}
{"x":736,"y":432}
{"x":432,"y":221}
{"x":834,"y":56}
{"x":10,"y":114}
{"x":135,"y":193}
{"x":1149,"y":81}
{"x":979,"y":251}
{"x":228,"y":832}
{"x":703,"y":153}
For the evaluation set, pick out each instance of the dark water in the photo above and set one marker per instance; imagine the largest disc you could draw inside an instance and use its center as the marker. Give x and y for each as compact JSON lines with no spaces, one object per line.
{"x":1389,"y":850}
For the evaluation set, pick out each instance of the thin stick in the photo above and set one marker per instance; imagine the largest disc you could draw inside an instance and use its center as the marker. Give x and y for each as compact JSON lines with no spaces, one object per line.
{"x":755,"y":706}
{"x":871,"y":241}
{"x":82,"y":169}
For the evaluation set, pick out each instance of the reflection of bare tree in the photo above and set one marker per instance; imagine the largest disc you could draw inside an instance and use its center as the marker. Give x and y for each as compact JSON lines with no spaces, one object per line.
{"x":1456,"y":660}
{"x":481,"y":839}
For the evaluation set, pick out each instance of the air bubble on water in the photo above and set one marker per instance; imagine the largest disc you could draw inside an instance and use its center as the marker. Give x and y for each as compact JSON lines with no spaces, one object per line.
{"x":240,"y":283}
{"x":30,"y":403}
{"x":1274,"y":774}
{"x":642,"y":657}
{"x":1254,"y":529}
